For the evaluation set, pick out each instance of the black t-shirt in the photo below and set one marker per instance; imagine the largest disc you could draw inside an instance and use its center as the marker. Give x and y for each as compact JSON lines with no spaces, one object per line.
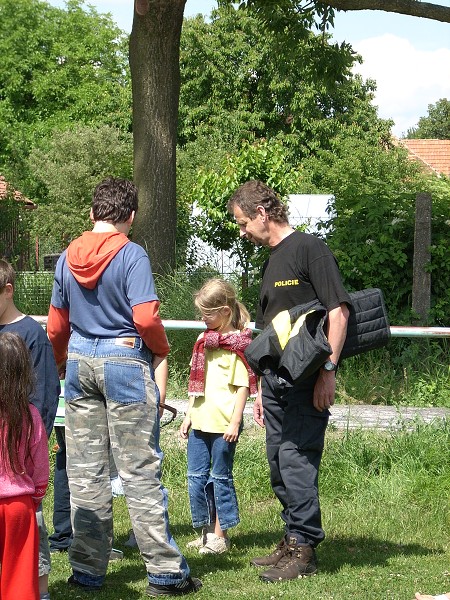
{"x":301,"y":268}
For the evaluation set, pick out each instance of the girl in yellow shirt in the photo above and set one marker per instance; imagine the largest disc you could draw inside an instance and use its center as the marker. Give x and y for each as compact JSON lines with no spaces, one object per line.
{"x":220,"y":383}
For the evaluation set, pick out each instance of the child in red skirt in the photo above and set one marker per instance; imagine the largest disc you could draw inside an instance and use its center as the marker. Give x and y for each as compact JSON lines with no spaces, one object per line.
{"x":24,"y":472}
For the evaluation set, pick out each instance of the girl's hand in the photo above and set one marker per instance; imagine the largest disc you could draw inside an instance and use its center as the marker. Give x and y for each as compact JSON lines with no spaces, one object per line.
{"x":232,"y":433}
{"x":184,"y":427}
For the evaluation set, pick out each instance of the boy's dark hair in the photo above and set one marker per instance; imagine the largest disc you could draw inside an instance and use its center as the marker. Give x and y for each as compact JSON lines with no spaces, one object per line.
{"x":114,"y":200}
{"x":7,"y":274}
{"x":254,"y":193}
{"x":16,"y":387}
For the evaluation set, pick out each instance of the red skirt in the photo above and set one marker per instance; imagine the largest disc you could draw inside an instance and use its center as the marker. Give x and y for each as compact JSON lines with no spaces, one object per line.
{"x":19,"y":547}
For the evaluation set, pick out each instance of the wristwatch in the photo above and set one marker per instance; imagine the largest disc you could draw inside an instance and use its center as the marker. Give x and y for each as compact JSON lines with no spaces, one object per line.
{"x":329,"y":365}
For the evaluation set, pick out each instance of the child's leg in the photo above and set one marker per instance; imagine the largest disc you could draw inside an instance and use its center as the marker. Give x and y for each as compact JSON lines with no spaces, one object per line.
{"x":218,"y":530}
{"x":221,"y":488}
{"x":44,"y":552}
{"x":199,"y":464}
{"x":19,"y":542}
{"x":222,"y":458}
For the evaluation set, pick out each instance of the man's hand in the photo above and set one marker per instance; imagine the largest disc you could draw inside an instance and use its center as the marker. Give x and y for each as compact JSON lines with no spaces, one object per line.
{"x":324,"y":390}
{"x":258,"y":411}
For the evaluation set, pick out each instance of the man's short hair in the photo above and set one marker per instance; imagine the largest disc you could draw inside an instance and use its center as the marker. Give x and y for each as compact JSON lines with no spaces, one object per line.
{"x":254,"y":193}
{"x":7,"y":274}
{"x":114,"y":200}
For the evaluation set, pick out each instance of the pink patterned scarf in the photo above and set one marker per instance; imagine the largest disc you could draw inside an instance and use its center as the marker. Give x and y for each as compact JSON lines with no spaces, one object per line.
{"x":211,"y":340}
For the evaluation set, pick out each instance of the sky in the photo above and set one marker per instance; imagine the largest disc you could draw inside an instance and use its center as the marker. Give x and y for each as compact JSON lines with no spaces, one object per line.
{"x":408,"y":57}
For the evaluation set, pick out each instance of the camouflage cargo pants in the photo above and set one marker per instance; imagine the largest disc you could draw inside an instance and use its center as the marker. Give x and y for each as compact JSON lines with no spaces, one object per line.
{"x":112,"y":402}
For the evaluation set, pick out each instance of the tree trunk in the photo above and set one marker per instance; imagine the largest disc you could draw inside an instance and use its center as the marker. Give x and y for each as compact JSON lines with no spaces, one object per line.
{"x":421,"y":291}
{"x":155,"y":73}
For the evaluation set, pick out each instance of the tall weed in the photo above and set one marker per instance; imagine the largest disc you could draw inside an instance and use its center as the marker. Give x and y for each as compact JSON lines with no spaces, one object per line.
{"x":407,"y":372}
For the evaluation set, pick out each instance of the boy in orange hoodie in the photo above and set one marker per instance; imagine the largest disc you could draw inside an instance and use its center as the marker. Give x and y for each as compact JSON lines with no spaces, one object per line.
{"x":104,"y":313}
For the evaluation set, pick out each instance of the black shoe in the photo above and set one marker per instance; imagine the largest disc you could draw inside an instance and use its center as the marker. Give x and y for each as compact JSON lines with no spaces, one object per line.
{"x":189,"y":585}
{"x":56,"y":550}
{"x":82,"y":586}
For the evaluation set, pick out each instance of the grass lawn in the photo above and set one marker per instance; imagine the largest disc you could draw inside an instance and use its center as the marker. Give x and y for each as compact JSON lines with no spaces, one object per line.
{"x":386,"y":511}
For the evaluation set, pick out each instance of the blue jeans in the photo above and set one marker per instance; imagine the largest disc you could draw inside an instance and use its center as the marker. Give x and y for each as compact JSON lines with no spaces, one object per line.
{"x":112,"y":404}
{"x":61,"y":538}
{"x":210,"y":480}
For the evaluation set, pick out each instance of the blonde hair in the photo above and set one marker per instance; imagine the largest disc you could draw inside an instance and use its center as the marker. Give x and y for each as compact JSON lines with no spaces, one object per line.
{"x":216,"y":294}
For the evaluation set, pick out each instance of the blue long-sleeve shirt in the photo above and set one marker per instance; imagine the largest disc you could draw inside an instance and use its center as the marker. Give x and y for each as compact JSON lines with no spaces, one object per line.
{"x":47,"y":390}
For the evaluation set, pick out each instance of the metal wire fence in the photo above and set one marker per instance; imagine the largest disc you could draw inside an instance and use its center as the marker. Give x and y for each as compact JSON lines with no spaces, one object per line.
{"x":32,"y":291}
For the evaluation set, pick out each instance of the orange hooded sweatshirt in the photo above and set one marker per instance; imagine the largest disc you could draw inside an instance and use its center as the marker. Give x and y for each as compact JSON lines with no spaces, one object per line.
{"x":87,"y":258}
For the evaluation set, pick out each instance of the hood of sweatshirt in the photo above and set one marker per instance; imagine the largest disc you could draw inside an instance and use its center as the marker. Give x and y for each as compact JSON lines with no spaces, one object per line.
{"x":90,"y":254}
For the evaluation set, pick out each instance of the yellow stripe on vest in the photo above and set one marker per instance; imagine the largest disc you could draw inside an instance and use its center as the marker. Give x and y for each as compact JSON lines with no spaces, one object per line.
{"x":283,"y":328}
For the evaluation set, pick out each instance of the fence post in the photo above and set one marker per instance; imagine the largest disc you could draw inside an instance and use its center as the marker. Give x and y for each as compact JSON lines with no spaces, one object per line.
{"x":421,"y":288}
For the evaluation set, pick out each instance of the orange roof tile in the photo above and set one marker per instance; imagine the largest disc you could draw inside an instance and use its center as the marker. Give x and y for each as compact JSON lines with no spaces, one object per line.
{"x":5,"y":188}
{"x":434,"y":154}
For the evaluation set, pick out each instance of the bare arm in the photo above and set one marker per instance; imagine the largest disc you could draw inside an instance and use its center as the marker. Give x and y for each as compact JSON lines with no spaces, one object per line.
{"x":325,"y":388}
{"x":186,"y":424}
{"x":258,"y":411}
{"x":161,"y":368}
{"x":232,"y":432}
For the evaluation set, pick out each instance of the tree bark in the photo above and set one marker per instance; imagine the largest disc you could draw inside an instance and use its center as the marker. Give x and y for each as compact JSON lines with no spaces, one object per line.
{"x":421,"y":289}
{"x":155,"y":73}
{"x":414,"y":8}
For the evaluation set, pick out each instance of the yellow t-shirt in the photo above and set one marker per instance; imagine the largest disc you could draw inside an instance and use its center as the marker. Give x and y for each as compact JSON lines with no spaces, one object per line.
{"x":224,"y":374}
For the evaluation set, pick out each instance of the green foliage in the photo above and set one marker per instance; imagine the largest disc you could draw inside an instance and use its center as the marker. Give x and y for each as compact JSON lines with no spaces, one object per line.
{"x":68,"y":165}
{"x":266,"y":160}
{"x":434,"y":126}
{"x":246,"y":78}
{"x":243,"y":79}
{"x":14,"y":230}
{"x":291,"y":23}
{"x":372,"y":231}
{"x":372,"y":224}
{"x":439,"y":188}
{"x":58,"y":67}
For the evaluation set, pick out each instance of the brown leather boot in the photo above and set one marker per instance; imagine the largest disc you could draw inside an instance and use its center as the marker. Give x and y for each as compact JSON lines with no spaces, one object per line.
{"x":299,"y":560}
{"x":270,"y":560}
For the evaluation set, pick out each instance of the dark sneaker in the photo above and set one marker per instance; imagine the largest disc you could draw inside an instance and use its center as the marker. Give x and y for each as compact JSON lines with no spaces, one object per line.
{"x":189,"y":585}
{"x":86,"y":588}
{"x":131,"y":541}
{"x":115,"y":555}
{"x":299,"y":560}
{"x":270,"y":560}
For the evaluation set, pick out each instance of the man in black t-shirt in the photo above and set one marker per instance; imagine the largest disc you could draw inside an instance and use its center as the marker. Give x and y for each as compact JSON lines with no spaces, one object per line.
{"x":300,"y":268}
